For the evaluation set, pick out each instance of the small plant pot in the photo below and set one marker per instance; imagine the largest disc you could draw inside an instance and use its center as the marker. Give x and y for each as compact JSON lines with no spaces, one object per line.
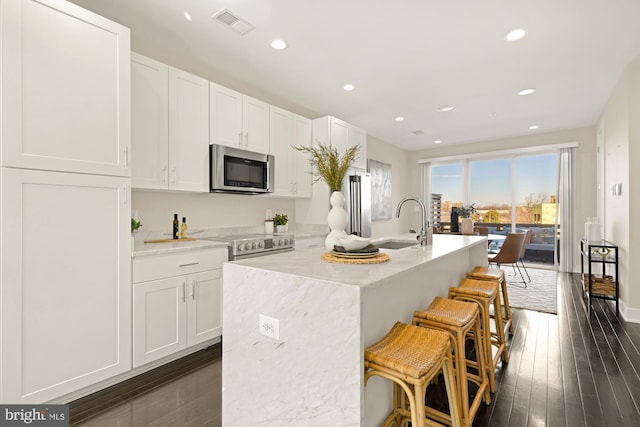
{"x":281,"y":228}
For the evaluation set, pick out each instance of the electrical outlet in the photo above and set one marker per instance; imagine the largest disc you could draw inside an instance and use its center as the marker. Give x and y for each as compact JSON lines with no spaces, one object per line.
{"x":269,"y":327}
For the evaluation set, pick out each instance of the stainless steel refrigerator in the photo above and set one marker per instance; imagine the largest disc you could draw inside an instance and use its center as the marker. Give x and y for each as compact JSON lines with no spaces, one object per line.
{"x":356,"y":188}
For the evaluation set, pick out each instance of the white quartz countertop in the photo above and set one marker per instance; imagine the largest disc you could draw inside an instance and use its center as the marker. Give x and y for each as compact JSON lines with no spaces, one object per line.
{"x":145,"y":249}
{"x":306,"y":262}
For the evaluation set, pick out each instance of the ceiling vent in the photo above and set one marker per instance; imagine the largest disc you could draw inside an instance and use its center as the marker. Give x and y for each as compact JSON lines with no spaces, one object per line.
{"x":228,"y":19}
{"x":417,"y":132}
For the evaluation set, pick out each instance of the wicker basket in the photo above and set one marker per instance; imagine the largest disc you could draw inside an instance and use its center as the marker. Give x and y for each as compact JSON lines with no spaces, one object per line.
{"x":600,"y":284}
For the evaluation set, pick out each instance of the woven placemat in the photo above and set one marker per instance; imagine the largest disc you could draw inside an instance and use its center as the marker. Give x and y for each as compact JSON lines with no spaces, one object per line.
{"x":381,"y":257}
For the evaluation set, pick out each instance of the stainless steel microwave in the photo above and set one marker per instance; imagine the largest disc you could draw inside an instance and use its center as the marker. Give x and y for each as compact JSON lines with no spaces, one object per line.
{"x":240,"y":171}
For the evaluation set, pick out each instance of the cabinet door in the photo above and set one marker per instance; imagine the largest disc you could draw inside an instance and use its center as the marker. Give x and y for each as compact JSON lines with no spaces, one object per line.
{"x":204,"y":306}
{"x":358,"y":136}
{"x":281,"y":131}
{"x":339,"y":137}
{"x":302,"y":169}
{"x":255,"y":124}
{"x":65,"y":270}
{"x":225,"y":120}
{"x":188,"y":131}
{"x":149,"y":123}
{"x":159,"y":319}
{"x":65,"y":89}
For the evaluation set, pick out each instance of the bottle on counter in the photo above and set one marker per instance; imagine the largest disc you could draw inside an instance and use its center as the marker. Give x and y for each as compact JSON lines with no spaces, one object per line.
{"x":176,"y":226}
{"x":183,"y":228}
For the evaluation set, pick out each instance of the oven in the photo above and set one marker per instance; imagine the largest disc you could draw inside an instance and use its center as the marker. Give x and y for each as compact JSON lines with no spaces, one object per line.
{"x":256,"y":245}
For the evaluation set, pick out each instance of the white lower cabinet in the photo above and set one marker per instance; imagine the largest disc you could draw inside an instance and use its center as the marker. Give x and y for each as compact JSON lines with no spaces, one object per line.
{"x":65,"y":282}
{"x":176,"y":302}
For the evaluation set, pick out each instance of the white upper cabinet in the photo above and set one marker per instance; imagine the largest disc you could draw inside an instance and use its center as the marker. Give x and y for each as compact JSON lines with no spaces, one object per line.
{"x":188,"y":131}
{"x":55,"y":57}
{"x":149,"y":123}
{"x":292,"y":168}
{"x":341,"y":135}
{"x":170,"y":127}
{"x":238,"y":120}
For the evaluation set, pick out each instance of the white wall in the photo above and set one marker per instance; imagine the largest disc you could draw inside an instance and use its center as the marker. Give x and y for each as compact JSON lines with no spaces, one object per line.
{"x":203,"y":210}
{"x":621,"y":122}
{"x":585,"y":183}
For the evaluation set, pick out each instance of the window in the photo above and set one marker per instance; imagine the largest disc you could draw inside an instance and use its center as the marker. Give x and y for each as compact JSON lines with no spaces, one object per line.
{"x":510,"y":193}
{"x":447,"y":180}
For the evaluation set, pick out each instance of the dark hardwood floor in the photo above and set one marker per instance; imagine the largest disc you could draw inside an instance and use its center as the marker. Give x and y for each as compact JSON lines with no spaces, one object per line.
{"x":564,"y":370}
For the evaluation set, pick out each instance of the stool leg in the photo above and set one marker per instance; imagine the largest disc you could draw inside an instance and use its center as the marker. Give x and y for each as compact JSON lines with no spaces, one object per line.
{"x":507,"y":309}
{"x":461,"y":375}
{"x":450,"y":385}
{"x":501,"y":342}
{"x":481,"y":356}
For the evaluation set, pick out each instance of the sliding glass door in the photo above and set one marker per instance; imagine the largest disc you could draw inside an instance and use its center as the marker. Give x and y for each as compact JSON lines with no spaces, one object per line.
{"x":517,"y":192}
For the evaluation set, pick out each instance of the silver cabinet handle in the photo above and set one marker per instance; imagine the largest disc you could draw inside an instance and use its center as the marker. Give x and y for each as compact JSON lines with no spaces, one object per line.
{"x":175,"y":175}
{"x":246,"y":139}
{"x":184,"y":292}
{"x":126,"y":157}
{"x":189,"y":264}
{"x":240,"y":138}
{"x":165,"y":175}
{"x":193,"y":290}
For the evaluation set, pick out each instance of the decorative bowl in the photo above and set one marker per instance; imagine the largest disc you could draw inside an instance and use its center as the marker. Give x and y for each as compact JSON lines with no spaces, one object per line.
{"x":352,"y":243}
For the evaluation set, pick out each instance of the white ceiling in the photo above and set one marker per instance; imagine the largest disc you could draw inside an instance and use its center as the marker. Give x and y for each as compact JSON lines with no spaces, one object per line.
{"x":409,"y":57}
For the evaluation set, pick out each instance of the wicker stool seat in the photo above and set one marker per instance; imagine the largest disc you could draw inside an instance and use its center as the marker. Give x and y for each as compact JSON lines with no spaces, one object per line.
{"x":459,"y":319}
{"x":485,"y":293}
{"x":496,"y":274}
{"x":411,"y":357}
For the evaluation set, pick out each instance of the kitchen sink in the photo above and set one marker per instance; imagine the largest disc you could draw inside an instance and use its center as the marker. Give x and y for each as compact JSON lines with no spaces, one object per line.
{"x":395,"y":244}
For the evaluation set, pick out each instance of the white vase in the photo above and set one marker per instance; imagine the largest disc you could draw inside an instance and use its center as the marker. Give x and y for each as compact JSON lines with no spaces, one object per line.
{"x":466,"y":226}
{"x":337,"y":219}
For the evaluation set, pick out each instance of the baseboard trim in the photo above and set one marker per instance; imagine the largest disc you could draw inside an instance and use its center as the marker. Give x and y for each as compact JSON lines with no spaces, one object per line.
{"x":629,"y":314}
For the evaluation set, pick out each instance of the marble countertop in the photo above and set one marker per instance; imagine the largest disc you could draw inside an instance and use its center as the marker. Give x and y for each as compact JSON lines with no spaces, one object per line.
{"x":306,"y":262}
{"x":141,"y":249}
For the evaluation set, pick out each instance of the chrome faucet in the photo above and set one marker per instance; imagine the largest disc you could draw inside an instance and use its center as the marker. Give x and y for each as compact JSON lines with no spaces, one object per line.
{"x":423,"y":237}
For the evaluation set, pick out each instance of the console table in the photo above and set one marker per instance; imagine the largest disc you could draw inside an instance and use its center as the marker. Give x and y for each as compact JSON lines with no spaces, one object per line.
{"x":602,"y":255}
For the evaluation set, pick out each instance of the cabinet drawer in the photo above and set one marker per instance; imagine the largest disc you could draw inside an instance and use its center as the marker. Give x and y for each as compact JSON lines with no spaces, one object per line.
{"x":161,"y":266}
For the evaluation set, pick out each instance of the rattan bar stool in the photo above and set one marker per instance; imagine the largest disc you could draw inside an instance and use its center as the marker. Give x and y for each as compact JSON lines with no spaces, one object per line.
{"x":411,"y":357}
{"x":459,"y":319}
{"x":496,"y":274}
{"x":485,"y":293}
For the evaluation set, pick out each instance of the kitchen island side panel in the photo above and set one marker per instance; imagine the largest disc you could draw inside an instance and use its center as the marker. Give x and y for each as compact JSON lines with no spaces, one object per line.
{"x":312,"y":374}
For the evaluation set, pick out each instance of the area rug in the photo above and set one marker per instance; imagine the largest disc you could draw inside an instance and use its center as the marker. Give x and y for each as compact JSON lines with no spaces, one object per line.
{"x":541,"y":294}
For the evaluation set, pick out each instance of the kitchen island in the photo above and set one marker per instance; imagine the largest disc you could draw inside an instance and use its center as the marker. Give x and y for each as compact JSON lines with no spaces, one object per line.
{"x":312,"y":374}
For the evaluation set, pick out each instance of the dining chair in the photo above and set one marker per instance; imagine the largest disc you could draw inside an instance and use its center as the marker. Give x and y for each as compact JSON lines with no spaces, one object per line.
{"x":527,"y":240}
{"x":510,"y":253}
{"x":482,"y":231}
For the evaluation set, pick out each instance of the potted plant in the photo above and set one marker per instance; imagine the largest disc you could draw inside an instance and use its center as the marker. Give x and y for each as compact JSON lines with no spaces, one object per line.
{"x":135,"y":225}
{"x":466,"y":225}
{"x":331,"y":167}
{"x":280,"y":222}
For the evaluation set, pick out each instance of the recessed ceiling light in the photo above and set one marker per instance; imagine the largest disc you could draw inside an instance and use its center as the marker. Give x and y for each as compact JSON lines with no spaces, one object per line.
{"x":348,"y":87}
{"x":399,"y":119}
{"x":534,"y":127}
{"x":437,"y":141}
{"x":445,"y":108}
{"x":278,"y":44}
{"x":187,"y":16}
{"x":526,"y":91}
{"x":515,"y":35}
